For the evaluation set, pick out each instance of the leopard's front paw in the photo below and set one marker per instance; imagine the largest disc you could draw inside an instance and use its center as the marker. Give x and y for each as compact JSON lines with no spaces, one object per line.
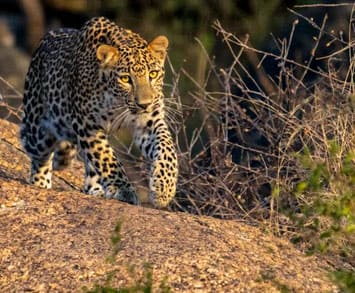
{"x":162,"y":191}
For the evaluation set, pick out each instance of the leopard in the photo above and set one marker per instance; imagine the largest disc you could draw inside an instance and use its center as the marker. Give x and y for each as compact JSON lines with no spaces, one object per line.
{"x":84,"y":84}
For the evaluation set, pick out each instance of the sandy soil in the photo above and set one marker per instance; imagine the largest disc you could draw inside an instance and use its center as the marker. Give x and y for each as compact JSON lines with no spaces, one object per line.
{"x":59,"y":240}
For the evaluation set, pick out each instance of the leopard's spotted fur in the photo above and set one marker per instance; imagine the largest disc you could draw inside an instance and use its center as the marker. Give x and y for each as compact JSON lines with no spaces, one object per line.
{"x":78,"y":84}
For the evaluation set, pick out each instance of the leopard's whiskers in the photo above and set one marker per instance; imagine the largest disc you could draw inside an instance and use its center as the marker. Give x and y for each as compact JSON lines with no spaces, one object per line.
{"x":173,"y":112}
{"x":119,"y":120}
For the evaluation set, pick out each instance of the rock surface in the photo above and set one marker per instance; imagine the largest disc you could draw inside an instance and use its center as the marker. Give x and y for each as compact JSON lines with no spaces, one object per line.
{"x":59,"y":241}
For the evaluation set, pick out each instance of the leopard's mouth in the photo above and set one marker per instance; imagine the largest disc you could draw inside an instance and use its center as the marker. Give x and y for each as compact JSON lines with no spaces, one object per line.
{"x":140,"y":111}
{"x":137,"y":109}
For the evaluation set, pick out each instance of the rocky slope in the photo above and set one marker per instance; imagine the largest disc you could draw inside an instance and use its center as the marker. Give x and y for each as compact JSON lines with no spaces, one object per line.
{"x":59,"y":240}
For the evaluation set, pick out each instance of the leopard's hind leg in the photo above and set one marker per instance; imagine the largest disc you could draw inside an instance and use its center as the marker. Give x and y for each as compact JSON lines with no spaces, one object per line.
{"x":39,"y":143}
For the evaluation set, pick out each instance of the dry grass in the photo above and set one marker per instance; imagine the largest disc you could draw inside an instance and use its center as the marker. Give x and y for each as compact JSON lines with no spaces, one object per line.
{"x":257,"y":138}
{"x":240,"y":159}
{"x":10,"y":99}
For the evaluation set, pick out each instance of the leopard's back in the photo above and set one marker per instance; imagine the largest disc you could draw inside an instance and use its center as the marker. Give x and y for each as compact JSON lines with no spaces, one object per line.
{"x":46,"y":93}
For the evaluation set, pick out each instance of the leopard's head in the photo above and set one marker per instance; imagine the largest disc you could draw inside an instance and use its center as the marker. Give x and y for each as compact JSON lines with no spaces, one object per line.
{"x":134,"y":71}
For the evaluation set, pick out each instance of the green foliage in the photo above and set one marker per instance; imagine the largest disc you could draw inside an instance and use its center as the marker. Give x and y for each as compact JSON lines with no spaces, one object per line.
{"x":327,"y":221}
{"x":345,"y":280}
{"x":115,"y":240}
{"x":328,"y":196}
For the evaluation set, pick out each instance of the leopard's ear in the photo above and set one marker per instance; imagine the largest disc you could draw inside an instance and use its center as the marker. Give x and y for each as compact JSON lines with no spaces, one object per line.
{"x":107,"y":55}
{"x":159,"y":46}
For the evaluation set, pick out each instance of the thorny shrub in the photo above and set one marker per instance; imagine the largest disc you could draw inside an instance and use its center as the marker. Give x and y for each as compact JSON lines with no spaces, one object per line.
{"x":277,"y":150}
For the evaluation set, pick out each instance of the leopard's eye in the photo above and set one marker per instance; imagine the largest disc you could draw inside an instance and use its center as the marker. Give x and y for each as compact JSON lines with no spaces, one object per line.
{"x":153,"y":74}
{"x":125,"y":79}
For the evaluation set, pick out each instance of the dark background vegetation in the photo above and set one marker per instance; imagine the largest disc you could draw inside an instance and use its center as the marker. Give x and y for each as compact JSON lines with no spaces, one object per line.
{"x":181,"y":20}
{"x":261,"y":101}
